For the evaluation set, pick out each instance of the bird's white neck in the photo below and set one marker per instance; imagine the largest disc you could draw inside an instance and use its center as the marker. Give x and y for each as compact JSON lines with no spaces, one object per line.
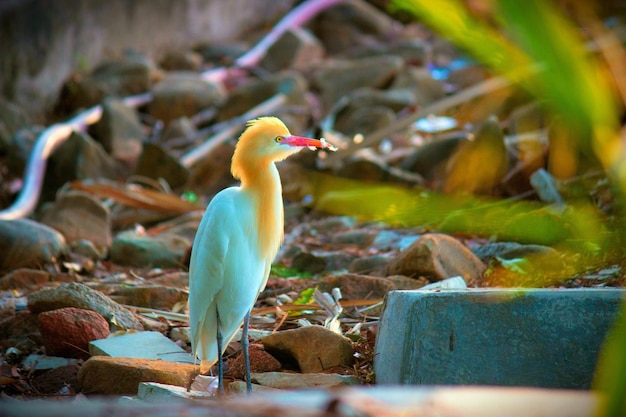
{"x":263,"y":184}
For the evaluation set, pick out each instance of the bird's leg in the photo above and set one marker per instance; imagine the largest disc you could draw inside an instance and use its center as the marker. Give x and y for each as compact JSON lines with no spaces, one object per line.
{"x":244,"y":347}
{"x":220,"y":364}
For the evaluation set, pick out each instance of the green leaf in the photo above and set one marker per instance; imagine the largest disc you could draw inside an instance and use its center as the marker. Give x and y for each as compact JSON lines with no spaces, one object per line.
{"x":306,"y":296}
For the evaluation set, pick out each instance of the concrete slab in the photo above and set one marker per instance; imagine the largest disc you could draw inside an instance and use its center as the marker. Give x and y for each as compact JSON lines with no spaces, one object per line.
{"x":147,"y":345}
{"x":533,"y":337}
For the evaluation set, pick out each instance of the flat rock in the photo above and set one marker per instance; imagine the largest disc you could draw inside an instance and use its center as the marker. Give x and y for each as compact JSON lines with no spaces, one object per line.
{"x":154,"y":392}
{"x":121,"y":376}
{"x":141,"y":250}
{"x":67,"y":331}
{"x":119,"y":131}
{"x":78,"y":215}
{"x":146,"y":345}
{"x":81,"y":296}
{"x":289,"y":380}
{"x":26,"y":243}
{"x":436,"y":257}
{"x":182,"y":94}
{"x":152,"y":296}
{"x":315,"y":348}
{"x":532,"y":338}
{"x":44,"y":362}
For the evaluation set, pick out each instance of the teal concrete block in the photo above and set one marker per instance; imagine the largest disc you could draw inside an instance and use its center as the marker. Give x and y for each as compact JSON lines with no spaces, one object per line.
{"x":538,"y":337}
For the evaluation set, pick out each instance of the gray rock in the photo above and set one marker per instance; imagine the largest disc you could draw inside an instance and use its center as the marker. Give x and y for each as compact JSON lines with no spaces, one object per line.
{"x":369,"y":264}
{"x":146,"y":345}
{"x":81,"y":296}
{"x":26,"y":243}
{"x":532,"y":338}
{"x":141,"y":250}
{"x":359,"y":237}
{"x":339,"y":77}
{"x":42,"y":362}
{"x":119,"y":131}
{"x":86,"y":249}
{"x":183,"y":94}
{"x":78,"y":215}
{"x":130,"y":75}
{"x":154,"y":392}
{"x":157,"y":163}
{"x":79,"y":157}
{"x":319,"y":261}
{"x":510,"y":250}
{"x":429,"y":159}
{"x":297,"y":49}
{"x":375,"y":170}
{"x":419,"y":81}
{"x":182,"y":127}
{"x":390,"y":240}
{"x":359,"y":287}
{"x":364,"y":120}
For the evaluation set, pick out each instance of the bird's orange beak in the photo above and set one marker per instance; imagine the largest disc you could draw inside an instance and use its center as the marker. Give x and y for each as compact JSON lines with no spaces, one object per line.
{"x":300,"y":141}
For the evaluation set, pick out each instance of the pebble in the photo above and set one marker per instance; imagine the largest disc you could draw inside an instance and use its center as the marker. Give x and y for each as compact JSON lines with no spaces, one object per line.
{"x":315,"y":348}
{"x":26,"y":243}
{"x":67,"y":331}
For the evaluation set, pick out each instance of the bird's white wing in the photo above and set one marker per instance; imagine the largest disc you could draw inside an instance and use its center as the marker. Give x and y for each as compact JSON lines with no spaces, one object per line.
{"x":225,"y":271}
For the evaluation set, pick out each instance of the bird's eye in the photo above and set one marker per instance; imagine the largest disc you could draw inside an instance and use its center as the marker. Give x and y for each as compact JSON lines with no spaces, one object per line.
{"x":279,"y":139}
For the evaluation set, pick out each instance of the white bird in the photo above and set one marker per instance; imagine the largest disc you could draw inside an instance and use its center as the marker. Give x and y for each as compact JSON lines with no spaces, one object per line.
{"x":237,"y":240}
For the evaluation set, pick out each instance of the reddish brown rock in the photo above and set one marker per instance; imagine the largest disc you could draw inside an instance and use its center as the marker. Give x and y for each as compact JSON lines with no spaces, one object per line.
{"x":436,"y":257}
{"x":58,"y":380}
{"x":31,"y":279}
{"x":121,"y":376}
{"x":315,"y":348}
{"x":67,"y":331}
{"x":260,"y":361}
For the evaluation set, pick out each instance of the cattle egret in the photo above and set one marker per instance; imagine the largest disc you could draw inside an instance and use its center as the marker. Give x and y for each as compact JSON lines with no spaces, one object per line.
{"x":237,"y":239}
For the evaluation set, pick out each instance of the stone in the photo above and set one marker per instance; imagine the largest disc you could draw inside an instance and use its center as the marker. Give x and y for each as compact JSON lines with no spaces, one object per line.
{"x":287,"y":380}
{"x":466,"y":170}
{"x":37,"y":362}
{"x":137,"y":249}
{"x":364,"y":120}
{"x":146,"y":345}
{"x":387,"y":240}
{"x":319,"y":261}
{"x":119,"y":131}
{"x":437,"y":256}
{"x":86,"y":249}
{"x":243,"y":98}
{"x":183,"y":94}
{"x":26,"y":279}
{"x":336,"y":78}
{"x":54,"y":381}
{"x":26,"y":243}
{"x":359,"y":237}
{"x":157,"y":163}
{"x":369,"y":265}
{"x":297,"y":49}
{"x":132,"y":74}
{"x":67,"y":331}
{"x":315,"y":348}
{"x":239,"y":387}
{"x":177,"y":60}
{"x":81,"y":296}
{"x":532,"y":338}
{"x":20,"y":329}
{"x":260,"y":361}
{"x":374,"y":170}
{"x":510,"y":250}
{"x":423,"y":87}
{"x":176,"y":279}
{"x":360,"y":287}
{"x":79,"y":215}
{"x":429,"y":159}
{"x":347,"y":26}
{"x":105,"y":375}
{"x":152,"y":296}
{"x":78,"y":157}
